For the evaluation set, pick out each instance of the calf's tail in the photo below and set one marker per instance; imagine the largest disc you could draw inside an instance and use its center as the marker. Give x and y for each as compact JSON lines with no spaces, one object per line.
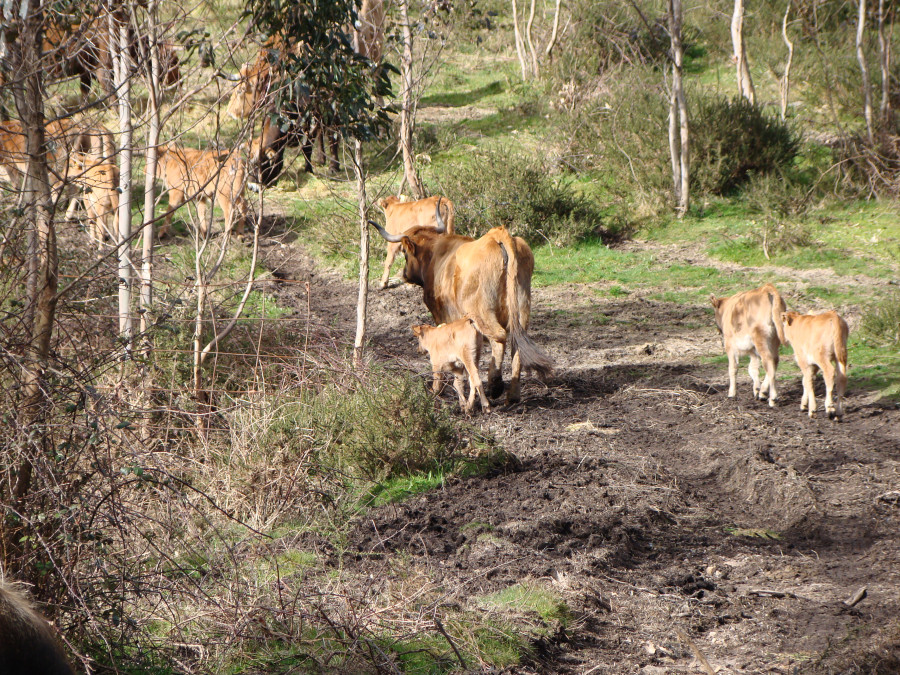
{"x":840,"y":332}
{"x":532,"y":356}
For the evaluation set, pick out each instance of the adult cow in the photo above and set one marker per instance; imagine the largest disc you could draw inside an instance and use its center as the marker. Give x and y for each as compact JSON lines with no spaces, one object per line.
{"x":82,"y":50}
{"x":28,"y":644}
{"x":489,"y":278}
{"x":399,"y":216}
{"x":750,"y":323}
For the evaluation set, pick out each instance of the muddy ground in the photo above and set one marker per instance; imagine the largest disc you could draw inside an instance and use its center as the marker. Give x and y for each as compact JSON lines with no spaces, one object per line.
{"x":650,"y":501}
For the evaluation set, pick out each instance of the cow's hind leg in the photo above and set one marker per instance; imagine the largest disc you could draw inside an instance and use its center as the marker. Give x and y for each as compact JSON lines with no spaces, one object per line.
{"x":809,"y":393}
{"x":732,"y":374}
{"x":828,"y":375}
{"x":840,"y":386}
{"x":495,"y":369}
{"x":470,"y":361}
{"x":514,"y":391}
{"x":459,"y":384}
{"x":753,"y":371}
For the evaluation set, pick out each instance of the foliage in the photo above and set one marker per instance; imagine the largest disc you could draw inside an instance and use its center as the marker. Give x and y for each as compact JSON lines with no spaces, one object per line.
{"x":504,"y":186}
{"x":731,"y":140}
{"x":321,"y":76}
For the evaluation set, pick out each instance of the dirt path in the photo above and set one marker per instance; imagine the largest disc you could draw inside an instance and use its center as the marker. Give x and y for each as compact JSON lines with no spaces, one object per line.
{"x":649,"y":500}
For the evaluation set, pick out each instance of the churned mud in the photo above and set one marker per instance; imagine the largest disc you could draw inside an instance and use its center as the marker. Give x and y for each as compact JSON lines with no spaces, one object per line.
{"x":669,"y":517}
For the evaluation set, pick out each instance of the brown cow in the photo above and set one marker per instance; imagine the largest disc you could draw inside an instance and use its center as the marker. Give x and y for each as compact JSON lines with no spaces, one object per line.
{"x":819,"y":342}
{"x":207,"y":176}
{"x":750,"y":323}
{"x":28,"y":643}
{"x":82,"y":51}
{"x":455,"y":347}
{"x":99,"y":184}
{"x":489,"y":278}
{"x":399,"y":216}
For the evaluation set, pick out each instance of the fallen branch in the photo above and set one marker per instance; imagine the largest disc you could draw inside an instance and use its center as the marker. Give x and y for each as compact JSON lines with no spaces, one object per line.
{"x":697,"y":653}
{"x":857,"y":597}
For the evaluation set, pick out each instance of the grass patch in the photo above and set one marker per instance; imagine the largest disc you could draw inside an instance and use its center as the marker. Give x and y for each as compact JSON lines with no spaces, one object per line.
{"x":530,"y":599}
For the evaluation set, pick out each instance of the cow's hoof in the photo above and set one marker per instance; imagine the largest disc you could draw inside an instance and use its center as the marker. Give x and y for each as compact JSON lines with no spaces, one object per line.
{"x":772,"y":403}
{"x":495,"y":388}
{"x":812,"y":414}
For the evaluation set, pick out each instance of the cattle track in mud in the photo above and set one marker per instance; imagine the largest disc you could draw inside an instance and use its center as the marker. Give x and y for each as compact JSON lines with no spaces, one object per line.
{"x":649,"y":500}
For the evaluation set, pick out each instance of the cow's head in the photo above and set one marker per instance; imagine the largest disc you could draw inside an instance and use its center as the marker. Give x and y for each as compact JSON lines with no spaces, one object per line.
{"x":248,"y":94}
{"x":416,"y":250}
{"x":717,"y":305}
{"x":420,"y":332}
{"x":788,"y":319}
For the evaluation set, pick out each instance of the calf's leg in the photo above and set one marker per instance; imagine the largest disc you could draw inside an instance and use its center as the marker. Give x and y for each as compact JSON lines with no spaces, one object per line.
{"x":392,"y":250}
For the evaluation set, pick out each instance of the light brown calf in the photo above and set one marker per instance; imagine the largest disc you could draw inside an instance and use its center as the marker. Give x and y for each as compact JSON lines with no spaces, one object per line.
{"x":750,"y":323}
{"x":819,"y":342}
{"x":401,"y":215}
{"x":204,"y":175}
{"x":456,"y":348}
{"x":99,"y":184}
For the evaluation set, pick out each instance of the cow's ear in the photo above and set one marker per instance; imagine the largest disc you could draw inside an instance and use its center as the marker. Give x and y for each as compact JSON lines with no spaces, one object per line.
{"x":409,"y":246}
{"x":714,"y":300}
{"x":786,"y":318}
{"x":417,"y":330}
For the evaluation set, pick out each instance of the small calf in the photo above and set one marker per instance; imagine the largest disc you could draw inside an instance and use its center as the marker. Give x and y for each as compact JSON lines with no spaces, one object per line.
{"x":819,"y":341}
{"x":99,"y":185}
{"x":455,"y":347}
{"x":750,"y":323}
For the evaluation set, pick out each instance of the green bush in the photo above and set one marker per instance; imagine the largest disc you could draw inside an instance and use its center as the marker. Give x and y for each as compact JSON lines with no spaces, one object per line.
{"x":503,"y":186}
{"x":881,"y":321}
{"x":731,"y":140}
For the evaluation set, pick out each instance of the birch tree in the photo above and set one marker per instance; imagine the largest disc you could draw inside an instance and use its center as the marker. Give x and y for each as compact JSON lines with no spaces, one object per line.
{"x":679,"y":141}
{"x":785,"y":84}
{"x":884,"y":58}
{"x":864,"y":69}
{"x":407,"y":109}
{"x":744,"y":80}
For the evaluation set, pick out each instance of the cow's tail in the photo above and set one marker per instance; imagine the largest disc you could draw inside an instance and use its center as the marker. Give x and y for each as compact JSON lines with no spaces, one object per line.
{"x":532,"y":356}
{"x":778,"y":308}
{"x":840,"y":331}
{"x":449,"y":215}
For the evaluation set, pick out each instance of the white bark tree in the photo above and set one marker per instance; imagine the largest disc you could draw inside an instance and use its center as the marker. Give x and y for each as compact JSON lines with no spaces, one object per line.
{"x":785,"y":84}
{"x":884,"y":54}
{"x":363,"y":297}
{"x":864,"y":69}
{"x":407,"y":109}
{"x":744,"y":80}
{"x":679,"y":137}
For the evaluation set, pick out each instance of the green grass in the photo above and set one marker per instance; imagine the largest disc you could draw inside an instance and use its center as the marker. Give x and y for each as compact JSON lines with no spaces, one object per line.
{"x":530,"y":599}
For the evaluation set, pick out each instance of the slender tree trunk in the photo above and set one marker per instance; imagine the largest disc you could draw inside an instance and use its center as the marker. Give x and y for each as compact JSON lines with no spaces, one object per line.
{"x":148,"y":233}
{"x":884,"y":57}
{"x":784,"y":89}
{"x":529,"y":25}
{"x":407,"y":112}
{"x":363,"y":298}
{"x":679,"y":138}
{"x":864,"y":68}
{"x":745,"y":82}
{"x":42,"y":280}
{"x":121,"y":72}
{"x":555,"y":32}
{"x":520,"y":46}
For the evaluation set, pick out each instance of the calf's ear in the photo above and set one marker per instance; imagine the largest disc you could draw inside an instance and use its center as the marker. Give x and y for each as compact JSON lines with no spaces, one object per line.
{"x":714,"y":300}
{"x":786,"y":318}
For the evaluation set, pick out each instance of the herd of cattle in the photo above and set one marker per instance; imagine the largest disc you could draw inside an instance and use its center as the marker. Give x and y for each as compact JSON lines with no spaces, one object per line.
{"x":474,"y":288}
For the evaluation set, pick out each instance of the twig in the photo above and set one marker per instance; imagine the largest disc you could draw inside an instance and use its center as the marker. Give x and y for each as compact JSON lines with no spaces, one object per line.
{"x":440,"y":627}
{"x":697,"y":653}
{"x":857,"y":597}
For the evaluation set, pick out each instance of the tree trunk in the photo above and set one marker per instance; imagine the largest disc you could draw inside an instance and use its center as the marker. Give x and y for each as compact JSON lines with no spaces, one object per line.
{"x":41,"y":284}
{"x":363,"y":297}
{"x":884,"y":57}
{"x":745,"y":82}
{"x":118,"y":30}
{"x":534,"y":61}
{"x":520,"y":47}
{"x":679,"y":138}
{"x":864,"y":68}
{"x":148,"y":228}
{"x":785,"y":87}
{"x":407,"y":112}
{"x":555,"y":32}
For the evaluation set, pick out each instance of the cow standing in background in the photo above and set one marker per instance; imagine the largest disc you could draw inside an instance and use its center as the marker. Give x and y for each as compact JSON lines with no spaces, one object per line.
{"x":489,"y":278}
{"x":750,"y":323}
{"x":399,"y":216}
{"x":819,"y":342}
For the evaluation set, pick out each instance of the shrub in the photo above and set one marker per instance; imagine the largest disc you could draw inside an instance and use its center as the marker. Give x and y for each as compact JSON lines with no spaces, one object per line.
{"x":881,"y":322}
{"x":503,"y":186}
{"x":731,"y":140}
